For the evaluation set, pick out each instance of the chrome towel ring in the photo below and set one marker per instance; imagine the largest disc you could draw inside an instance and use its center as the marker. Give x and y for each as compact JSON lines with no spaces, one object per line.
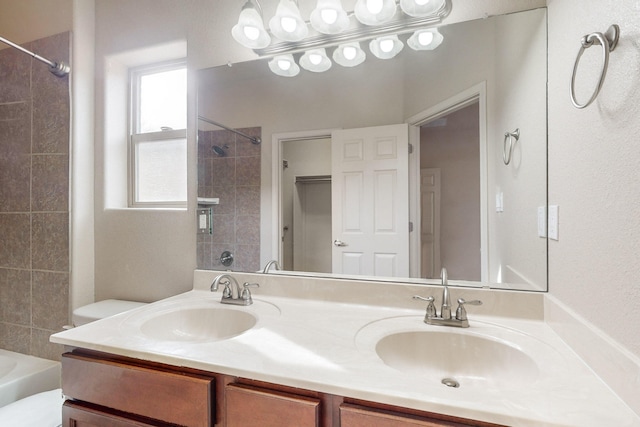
{"x":510,"y":139}
{"x":608,"y":41}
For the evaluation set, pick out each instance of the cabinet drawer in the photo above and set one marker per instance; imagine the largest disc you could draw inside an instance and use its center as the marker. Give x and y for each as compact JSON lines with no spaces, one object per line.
{"x":162,"y":394}
{"x":248,"y":406}
{"x":78,"y":415}
{"x":359,"y":416}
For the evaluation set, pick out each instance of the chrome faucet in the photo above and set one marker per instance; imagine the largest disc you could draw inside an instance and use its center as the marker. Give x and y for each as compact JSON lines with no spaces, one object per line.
{"x":273,"y":263}
{"x":241,"y":297}
{"x":431,"y":317}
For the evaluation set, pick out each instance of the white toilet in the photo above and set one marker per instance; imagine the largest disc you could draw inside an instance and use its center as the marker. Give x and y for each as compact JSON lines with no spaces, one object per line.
{"x":102,"y":309}
{"x":43,"y":409}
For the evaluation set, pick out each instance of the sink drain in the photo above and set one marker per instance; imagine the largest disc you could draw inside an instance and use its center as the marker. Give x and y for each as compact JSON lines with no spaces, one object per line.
{"x":450,"y":382}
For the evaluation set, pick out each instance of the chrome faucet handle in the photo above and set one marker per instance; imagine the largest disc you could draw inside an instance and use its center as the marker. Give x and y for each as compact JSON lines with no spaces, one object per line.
{"x":222,"y":278}
{"x":226,"y":292}
{"x":431,"y":308}
{"x":246,"y":293}
{"x":461,"y":312}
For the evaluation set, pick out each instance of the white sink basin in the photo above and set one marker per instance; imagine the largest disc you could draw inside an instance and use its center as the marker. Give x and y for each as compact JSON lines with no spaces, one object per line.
{"x":198,"y":324}
{"x":466,"y":358}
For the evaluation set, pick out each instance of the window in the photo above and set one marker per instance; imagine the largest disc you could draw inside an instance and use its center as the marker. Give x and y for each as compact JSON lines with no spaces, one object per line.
{"x":158,"y":144}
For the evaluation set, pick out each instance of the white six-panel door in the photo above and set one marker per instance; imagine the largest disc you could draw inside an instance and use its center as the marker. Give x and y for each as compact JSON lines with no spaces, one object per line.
{"x":370,"y":201}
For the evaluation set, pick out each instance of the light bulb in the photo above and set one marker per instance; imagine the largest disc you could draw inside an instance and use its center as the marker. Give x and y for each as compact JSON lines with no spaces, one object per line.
{"x":349,"y":55}
{"x":284,"y":65}
{"x":349,"y":52}
{"x":425,"y":38}
{"x":249,"y":31}
{"x":252,"y":33}
{"x":374,"y":6}
{"x":386,"y":45}
{"x":421,"y":2}
{"x":315,"y":59}
{"x":329,"y":16}
{"x":288,"y":24}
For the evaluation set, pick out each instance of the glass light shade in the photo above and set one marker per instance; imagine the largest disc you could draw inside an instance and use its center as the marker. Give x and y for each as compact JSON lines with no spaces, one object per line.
{"x":421,"y":7}
{"x":329,"y":17}
{"x":386,"y":47}
{"x":425,"y":39}
{"x":284,"y":65}
{"x":374,"y":12}
{"x":249,"y":31}
{"x":315,"y":60}
{"x":349,"y":54}
{"x":287,"y":24}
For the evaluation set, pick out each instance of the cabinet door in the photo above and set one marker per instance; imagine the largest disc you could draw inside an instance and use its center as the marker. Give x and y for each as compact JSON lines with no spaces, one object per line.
{"x":358,"y":416}
{"x":248,"y":406}
{"x":78,"y":415}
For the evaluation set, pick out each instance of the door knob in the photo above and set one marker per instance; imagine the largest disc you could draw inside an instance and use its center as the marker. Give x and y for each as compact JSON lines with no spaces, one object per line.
{"x":339,"y":243}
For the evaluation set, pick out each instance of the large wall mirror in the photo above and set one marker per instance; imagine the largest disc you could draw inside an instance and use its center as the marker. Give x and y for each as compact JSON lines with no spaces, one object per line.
{"x":466,"y":188}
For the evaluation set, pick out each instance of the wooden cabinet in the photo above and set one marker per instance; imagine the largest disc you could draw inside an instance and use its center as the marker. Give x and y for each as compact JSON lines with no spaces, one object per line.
{"x":248,"y":406}
{"x":113,"y":391}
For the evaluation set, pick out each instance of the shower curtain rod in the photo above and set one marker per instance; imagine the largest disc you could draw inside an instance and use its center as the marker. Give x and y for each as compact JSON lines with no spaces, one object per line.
{"x":60,"y":69}
{"x":253,"y":139}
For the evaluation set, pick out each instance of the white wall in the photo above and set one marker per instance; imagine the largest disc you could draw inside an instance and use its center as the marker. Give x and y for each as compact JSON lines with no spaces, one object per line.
{"x":521,"y":77}
{"x":142,"y":255}
{"x":27,"y":20}
{"x":593,"y":169}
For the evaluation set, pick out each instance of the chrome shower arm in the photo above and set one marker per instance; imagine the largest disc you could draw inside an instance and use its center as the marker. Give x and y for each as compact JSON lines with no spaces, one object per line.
{"x":60,"y":69}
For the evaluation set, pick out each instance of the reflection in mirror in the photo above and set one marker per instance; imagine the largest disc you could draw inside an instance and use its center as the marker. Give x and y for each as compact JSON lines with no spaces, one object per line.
{"x":470,"y":212}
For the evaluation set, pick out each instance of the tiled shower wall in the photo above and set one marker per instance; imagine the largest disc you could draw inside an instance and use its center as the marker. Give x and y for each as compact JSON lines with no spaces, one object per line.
{"x":34,"y":198}
{"x":235,"y":180}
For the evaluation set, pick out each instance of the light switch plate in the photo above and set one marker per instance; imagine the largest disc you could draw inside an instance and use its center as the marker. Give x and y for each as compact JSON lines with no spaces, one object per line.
{"x":542,"y":221}
{"x":205,"y":223}
{"x":553,"y":222}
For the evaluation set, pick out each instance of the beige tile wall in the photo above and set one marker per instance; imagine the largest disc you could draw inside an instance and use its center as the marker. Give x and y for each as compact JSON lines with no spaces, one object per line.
{"x":235,"y":180}
{"x":34,"y":198}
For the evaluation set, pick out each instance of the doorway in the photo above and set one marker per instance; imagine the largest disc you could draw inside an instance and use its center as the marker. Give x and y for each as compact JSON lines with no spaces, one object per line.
{"x":450,"y":194}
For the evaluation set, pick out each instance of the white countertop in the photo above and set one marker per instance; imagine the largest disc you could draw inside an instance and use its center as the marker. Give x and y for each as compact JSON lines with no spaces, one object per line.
{"x":330,"y":347}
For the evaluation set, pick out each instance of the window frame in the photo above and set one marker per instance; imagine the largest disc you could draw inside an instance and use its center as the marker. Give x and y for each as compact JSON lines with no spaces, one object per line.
{"x":135,"y":137}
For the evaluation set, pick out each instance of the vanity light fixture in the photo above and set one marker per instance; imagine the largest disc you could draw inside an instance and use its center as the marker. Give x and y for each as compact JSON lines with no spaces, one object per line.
{"x":386,"y":47}
{"x":287,"y":24}
{"x":284,"y":65}
{"x":428,"y":39}
{"x":420,"y":7}
{"x":329,"y":17}
{"x":315,"y":60}
{"x":349,"y":54}
{"x":250,"y":31}
{"x":333,"y":32}
{"x":374,"y":12}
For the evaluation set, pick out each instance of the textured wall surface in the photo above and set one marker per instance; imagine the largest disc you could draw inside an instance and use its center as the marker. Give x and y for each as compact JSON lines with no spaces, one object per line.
{"x":34,"y":198}
{"x":594,"y":155}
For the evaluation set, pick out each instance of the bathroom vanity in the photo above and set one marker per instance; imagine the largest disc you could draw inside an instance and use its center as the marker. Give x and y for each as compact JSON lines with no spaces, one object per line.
{"x":320,"y":352}
{"x":104,"y":390}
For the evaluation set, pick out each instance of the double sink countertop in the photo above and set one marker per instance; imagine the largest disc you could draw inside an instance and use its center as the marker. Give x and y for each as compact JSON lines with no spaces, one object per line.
{"x":511,"y":370}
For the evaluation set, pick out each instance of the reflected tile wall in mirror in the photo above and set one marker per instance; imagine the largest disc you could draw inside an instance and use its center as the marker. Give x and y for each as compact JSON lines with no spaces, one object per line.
{"x":229,"y":169}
